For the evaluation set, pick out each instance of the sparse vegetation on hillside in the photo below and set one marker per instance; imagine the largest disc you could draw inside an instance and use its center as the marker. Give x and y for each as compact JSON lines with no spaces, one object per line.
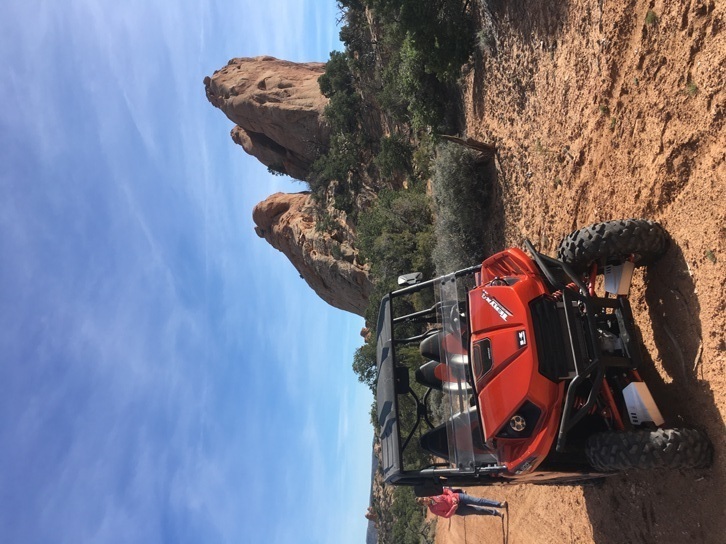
{"x":408,"y":518}
{"x":401,"y":520}
{"x":462,"y":191}
{"x":396,"y":236}
{"x":398,"y":71}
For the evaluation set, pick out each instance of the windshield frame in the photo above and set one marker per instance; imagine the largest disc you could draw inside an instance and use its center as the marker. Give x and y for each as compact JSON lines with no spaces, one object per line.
{"x":448,"y":316}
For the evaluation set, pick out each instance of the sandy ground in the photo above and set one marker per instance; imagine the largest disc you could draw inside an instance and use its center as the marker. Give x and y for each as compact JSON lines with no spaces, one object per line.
{"x":600,"y":111}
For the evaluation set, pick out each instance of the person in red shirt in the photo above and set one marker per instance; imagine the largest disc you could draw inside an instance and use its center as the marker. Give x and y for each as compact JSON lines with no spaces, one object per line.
{"x":455,"y":501}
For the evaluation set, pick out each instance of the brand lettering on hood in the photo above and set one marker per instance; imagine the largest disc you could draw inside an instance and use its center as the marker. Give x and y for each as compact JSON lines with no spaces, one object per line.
{"x":494,"y":303}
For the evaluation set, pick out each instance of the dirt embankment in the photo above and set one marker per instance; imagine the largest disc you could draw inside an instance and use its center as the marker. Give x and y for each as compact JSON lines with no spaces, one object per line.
{"x":606,"y":110}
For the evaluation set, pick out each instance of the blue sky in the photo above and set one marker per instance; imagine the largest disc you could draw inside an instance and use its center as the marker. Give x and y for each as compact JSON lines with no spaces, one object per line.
{"x":165,"y":375}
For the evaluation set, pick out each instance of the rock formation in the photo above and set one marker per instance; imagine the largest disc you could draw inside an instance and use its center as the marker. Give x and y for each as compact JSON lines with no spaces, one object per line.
{"x":278,"y":109}
{"x":327,"y":262}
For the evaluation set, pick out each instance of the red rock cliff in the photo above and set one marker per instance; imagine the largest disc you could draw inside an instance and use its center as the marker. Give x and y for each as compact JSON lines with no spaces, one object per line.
{"x":328,"y":262}
{"x":277,"y":107}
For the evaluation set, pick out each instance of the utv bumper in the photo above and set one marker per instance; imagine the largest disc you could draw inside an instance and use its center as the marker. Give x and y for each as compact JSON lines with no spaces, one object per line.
{"x":567,"y":335}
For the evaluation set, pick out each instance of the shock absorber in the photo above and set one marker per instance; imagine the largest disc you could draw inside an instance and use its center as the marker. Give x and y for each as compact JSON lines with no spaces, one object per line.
{"x":607,"y":393}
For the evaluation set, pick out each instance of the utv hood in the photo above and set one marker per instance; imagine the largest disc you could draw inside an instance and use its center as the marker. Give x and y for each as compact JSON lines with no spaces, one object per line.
{"x":503,"y":338}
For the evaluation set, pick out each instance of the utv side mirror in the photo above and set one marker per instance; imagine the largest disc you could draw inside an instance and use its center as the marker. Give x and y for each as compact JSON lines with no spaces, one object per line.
{"x":410,"y":279}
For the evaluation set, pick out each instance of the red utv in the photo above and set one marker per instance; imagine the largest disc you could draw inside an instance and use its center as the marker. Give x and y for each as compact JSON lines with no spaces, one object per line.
{"x":519,"y":371}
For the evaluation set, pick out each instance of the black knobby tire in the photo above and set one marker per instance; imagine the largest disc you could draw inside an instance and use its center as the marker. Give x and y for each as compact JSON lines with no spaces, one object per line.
{"x":663,"y":448}
{"x":614,"y":240}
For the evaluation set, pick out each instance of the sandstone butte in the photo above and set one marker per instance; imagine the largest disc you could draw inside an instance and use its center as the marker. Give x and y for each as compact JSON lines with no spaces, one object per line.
{"x":277,"y":108}
{"x":328,"y":263}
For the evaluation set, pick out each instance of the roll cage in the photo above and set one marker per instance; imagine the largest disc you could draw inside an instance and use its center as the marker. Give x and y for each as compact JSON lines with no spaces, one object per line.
{"x":443,"y":324}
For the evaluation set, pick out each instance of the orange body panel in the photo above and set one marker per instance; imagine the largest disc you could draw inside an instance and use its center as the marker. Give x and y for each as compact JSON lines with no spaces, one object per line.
{"x":500,"y":313}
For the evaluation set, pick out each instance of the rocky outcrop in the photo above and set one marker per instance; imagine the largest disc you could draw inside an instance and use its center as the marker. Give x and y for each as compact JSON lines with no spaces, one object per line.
{"x":327,"y":262}
{"x":278,"y":109}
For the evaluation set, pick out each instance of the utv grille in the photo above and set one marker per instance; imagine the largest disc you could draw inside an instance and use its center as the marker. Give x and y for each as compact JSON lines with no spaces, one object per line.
{"x":552,"y":352}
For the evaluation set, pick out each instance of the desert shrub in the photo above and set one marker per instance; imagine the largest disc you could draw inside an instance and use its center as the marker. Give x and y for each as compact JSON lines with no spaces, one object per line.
{"x":442,"y":30}
{"x":393,"y":224}
{"x":356,"y":36}
{"x":343,"y":112}
{"x":335,"y":251}
{"x":336,"y":164}
{"x":324,"y":222}
{"x":337,"y":77}
{"x":390,"y":97}
{"x":340,"y":161}
{"x":394,"y":156}
{"x":396,"y":236}
{"x":343,"y":109}
{"x":374,"y":416}
{"x":410,"y":93}
{"x":408,"y":516}
{"x":461,"y":195}
{"x":276,"y":170}
{"x":403,"y":521}
{"x":424,"y":92}
{"x":422,"y":159}
{"x":344,"y":201}
{"x":424,"y":45}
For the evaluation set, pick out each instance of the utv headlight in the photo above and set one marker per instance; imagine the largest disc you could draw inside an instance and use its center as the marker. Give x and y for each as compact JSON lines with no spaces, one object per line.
{"x":517,"y":423}
{"x":522,"y":423}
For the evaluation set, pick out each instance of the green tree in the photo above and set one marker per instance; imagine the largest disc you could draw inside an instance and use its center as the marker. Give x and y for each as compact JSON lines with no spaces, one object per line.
{"x":343,"y":112}
{"x":337,"y":77}
{"x":408,"y":516}
{"x":336,"y":164}
{"x":364,"y":363}
{"x":394,"y":156}
{"x":396,"y":236}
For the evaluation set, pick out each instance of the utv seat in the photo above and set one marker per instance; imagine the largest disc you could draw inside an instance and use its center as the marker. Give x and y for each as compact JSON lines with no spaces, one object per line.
{"x":430,"y":346}
{"x":440,"y":348}
{"x":435,"y":441}
{"x":426,"y":375}
{"x":434,"y":375}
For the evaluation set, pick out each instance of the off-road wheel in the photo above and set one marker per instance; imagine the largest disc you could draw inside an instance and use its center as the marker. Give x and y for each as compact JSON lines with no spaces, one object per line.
{"x":663,"y":448}
{"x":613,"y":240}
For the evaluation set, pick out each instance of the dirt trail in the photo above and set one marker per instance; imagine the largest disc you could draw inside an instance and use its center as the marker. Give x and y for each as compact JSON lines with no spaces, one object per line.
{"x":607,"y":110}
